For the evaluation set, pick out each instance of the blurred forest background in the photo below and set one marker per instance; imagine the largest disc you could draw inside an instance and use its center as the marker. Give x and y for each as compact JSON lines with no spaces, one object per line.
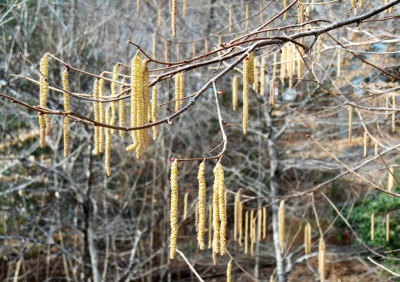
{"x":63,"y":219}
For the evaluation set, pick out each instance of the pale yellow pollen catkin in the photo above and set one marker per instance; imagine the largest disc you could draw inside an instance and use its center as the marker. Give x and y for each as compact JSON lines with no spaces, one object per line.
{"x":216,"y":223}
{"x":181,"y":89}
{"x":146,"y":103}
{"x":372,"y":226}
{"x":108,"y":137}
{"x":376,"y":148}
{"x":154,"y":106}
{"x":235,"y":91}
{"x":256,"y":83}
{"x":174,"y":209}
{"x":205,"y":46}
{"x":307,"y":238}
{"x":275,"y":65}
{"x":285,"y":4}
{"x":184,"y":8}
{"x":154,"y":45}
{"x":246,"y":232}
{"x":354,"y":3}
{"x":44,"y":120}
{"x":140,"y":110}
{"x":202,"y":205}
{"x":366,"y":140}
{"x":173,"y":17}
{"x":322,"y":259}
{"x":96,"y":110}
{"x":240,"y":218}
{"x":252,"y":232}
{"x":194,"y":49}
{"x":102,"y":115}
{"x":251,"y":68}
{"x":138,"y":6}
{"x":246,"y":71}
{"x":271,"y":100}
{"x":136,"y":88}
{"x":185,"y":205}
{"x":67,"y":108}
{"x":265,"y":217}
{"x":177,"y":91}
{"x":229,"y":272}
{"x":121,"y":110}
{"x":247,"y":16}
{"x":236,"y":217}
{"x":351,"y":111}
{"x":391,"y":179}
{"x":114,"y":107}
{"x":282,"y":225}
{"x":222,"y":207}
{"x":159,"y":12}
{"x":283,"y":63}
{"x":259,"y":224}
{"x":388,"y":227}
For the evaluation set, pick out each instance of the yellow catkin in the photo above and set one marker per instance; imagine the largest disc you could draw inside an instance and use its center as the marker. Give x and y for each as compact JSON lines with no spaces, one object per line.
{"x":96,"y":111}
{"x":252,"y":232}
{"x":245,"y":94}
{"x":216,"y":224}
{"x":154,"y":45}
{"x":210,"y":225}
{"x":202,"y":205}
{"x":251,"y":68}
{"x":236,"y":217}
{"x":322,"y":259}
{"x":282,"y":223}
{"x":154,"y":106}
{"x":102,"y":115}
{"x":114,"y":107}
{"x":184,"y":8}
{"x":307,"y":238}
{"x":196,"y":217}
{"x":194,"y":49}
{"x":351,"y":110}
{"x":138,"y":6}
{"x":262,"y":76}
{"x":366,"y":140}
{"x":339,"y":62}
{"x":265,"y":217}
{"x":388,"y":227}
{"x":174,"y":209}
{"x":246,"y":232}
{"x":173,"y":17}
{"x":206,"y":46}
{"x":259,"y":224}
{"x":215,"y":260}
{"x":372,"y":226}
{"x":67,"y":107}
{"x":240,"y":219}
{"x":247,"y":16}
{"x":185,"y":205}
{"x":43,"y":96}
{"x":354,"y":3}
{"x":121,"y":110}
{"x":222,"y":207}
{"x":235,"y":91}
{"x":108,"y":137}
{"x":159,"y":14}
{"x":230,"y":18}
{"x":136,"y":87}
{"x":393,"y":114}
{"x":181,"y":89}
{"x":229,"y":272}
{"x":166,"y":51}
{"x":140,"y":110}
{"x":390,"y":179}
{"x":285,"y":4}
{"x":146,"y":103}
{"x":177,"y":91}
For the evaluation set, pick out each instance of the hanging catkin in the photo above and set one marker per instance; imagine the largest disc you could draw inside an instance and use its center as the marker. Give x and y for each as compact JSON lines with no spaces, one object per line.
{"x":372,"y":226}
{"x":366,"y":139}
{"x":210,"y":225}
{"x":96,"y":115}
{"x":154,"y":107}
{"x":159,"y":9}
{"x":281,"y":224}
{"x":251,"y":67}
{"x":173,"y":17}
{"x":285,"y":4}
{"x":247,"y":17}
{"x":44,"y":120}
{"x":351,"y":109}
{"x":246,"y":232}
{"x":114,"y":93}
{"x":140,"y":110}
{"x":174,"y":209}
{"x":107,"y":156}
{"x":259,"y":224}
{"x":216,"y":224}
{"x":146,"y":103}
{"x":185,"y":205}
{"x":265,"y":217}
{"x":102,"y":115}
{"x":222,"y":207}
{"x":283,"y":62}
{"x":236,"y":216}
{"x":262,"y":76}
{"x":177,"y":91}
{"x":181,"y":89}
{"x":388,"y":227}
{"x":307,"y":238}
{"x":121,"y":110}
{"x":230,"y":18}
{"x":321,"y":259}
{"x":240,"y":218}
{"x":136,"y":88}
{"x":390,"y":179}
{"x":138,"y":6}
{"x":235,"y":91}
{"x":246,"y":71}
{"x":229,"y":272}
{"x":354,"y":3}
{"x":184,"y":8}
{"x":252,"y":232}
{"x":256,"y":75}
{"x":202,"y":205}
{"x":67,"y":108}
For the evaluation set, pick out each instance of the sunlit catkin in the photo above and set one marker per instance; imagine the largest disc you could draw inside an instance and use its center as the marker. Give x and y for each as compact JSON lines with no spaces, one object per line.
{"x":159,"y":10}
{"x":229,"y":272}
{"x":181,"y":89}
{"x":281,"y":224}
{"x":185,"y":205}
{"x":265,"y":217}
{"x":372,"y":226}
{"x":354,"y":3}
{"x":307,"y":238}
{"x":67,"y":108}
{"x":222,"y":207}
{"x":154,"y":106}
{"x":174,"y":209}
{"x":351,"y":110}
{"x":390,"y":179}
{"x":121,"y":110}
{"x":252,"y":232}
{"x":136,"y":88}
{"x":246,"y":71}
{"x":285,"y":4}
{"x":388,"y":227}
{"x":108,"y":137}
{"x":177,"y":91}
{"x":247,"y":16}
{"x":96,"y":115}
{"x":102,"y":115}
{"x":44,"y":120}
{"x":236,"y":216}
{"x":322,"y":259}
{"x":259,"y":224}
{"x":366,"y":140}
{"x":235,"y":91}
{"x":202,"y":205}
{"x":210,"y":225}
{"x":251,"y":67}
{"x":114,"y":107}
{"x":256,"y":82}
{"x":246,"y":232}
{"x":216,"y":225}
{"x":173,"y":17}
{"x":146,"y":103}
